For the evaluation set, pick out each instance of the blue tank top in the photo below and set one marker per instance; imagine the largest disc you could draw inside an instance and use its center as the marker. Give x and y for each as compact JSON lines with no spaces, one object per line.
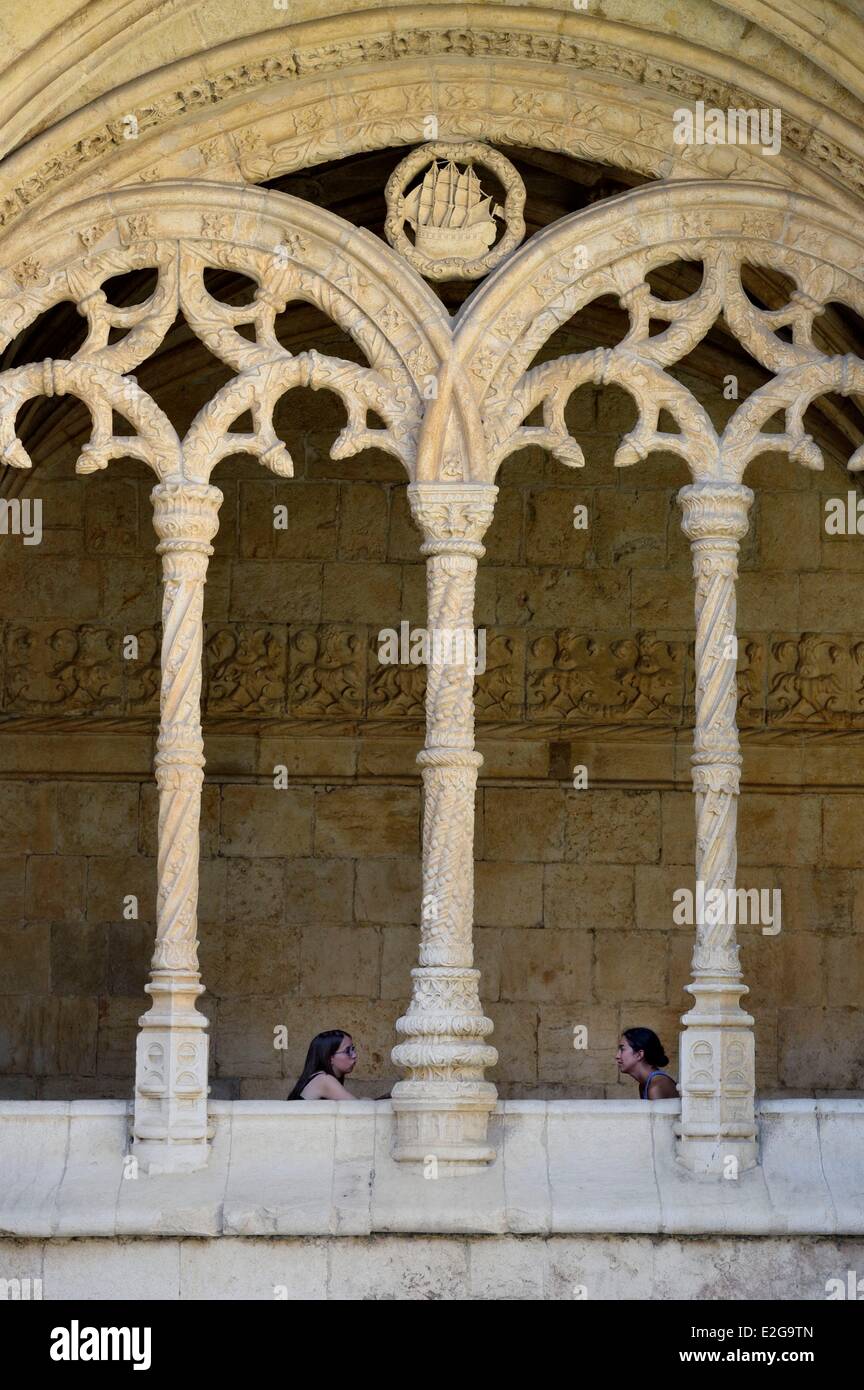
{"x":651,"y":1078}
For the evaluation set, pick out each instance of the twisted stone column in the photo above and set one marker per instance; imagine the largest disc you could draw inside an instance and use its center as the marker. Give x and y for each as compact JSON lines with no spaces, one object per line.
{"x":443,"y":1105}
{"x":170,"y":1128}
{"x":717,"y":1052}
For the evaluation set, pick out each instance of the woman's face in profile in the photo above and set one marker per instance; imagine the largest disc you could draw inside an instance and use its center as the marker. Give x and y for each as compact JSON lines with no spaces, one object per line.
{"x":625,"y":1056}
{"x":344,"y":1059}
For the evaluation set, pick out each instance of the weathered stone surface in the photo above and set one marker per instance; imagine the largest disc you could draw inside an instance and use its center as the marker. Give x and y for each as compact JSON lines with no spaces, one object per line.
{"x":524,"y":825}
{"x":336,"y":959}
{"x":613,"y":827}
{"x":509,"y":895}
{"x":112,"y":881}
{"x":630,"y":966}
{"x":98,"y":818}
{"x":366,"y":821}
{"x":25,"y":951}
{"x":549,"y":966}
{"x":588,"y":896}
{"x":388,"y":891}
{"x":79,"y":959}
{"x":28,"y":817}
{"x":267,"y":821}
{"x":55,"y":888}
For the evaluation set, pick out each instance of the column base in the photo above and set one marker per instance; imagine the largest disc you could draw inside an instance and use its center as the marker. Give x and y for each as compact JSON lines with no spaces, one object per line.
{"x":160,"y":1156}
{"x":450,"y":1132}
{"x":724,"y":1156}
{"x":170,"y":1122}
{"x":717,"y":1130}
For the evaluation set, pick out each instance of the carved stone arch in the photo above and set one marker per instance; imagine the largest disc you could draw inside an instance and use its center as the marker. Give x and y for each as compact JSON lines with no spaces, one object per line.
{"x":610,"y":248}
{"x":294,"y":95}
{"x":293,"y":251}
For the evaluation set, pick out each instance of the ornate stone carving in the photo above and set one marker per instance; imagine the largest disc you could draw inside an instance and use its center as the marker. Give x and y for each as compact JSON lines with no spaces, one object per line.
{"x":245,"y":670}
{"x":540,"y":288}
{"x":443,"y":1031}
{"x":395,"y":691}
{"x":499,"y":691}
{"x":524,"y":70}
{"x":143,"y":675}
{"x":452,"y":217}
{"x":50,"y":668}
{"x":170,"y":1125}
{"x":573,"y":676}
{"x":717,"y":1103}
{"x":327,"y":672}
{"x":292,"y":252}
{"x":816,"y":680}
{"x":485,"y":389}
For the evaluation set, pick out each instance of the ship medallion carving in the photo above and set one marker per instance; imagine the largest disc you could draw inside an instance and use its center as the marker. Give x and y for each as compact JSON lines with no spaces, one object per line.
{"x":445,"y":194}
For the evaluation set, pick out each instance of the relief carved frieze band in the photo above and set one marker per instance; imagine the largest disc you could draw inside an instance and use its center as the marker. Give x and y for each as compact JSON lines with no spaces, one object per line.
{"x":786,"y":682}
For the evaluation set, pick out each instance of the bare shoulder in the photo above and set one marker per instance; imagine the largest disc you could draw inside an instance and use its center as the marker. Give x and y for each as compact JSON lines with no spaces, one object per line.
{"x":330,"y":1089}
{"x":662,"y":1088}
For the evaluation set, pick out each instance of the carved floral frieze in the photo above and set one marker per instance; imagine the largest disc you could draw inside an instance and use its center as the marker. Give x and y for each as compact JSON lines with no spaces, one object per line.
{"x":331,"y":670}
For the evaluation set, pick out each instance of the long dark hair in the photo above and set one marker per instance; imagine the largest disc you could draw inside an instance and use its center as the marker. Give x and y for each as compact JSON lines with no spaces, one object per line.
{"x":645,"y":1041}
{"x":318,"y":1058}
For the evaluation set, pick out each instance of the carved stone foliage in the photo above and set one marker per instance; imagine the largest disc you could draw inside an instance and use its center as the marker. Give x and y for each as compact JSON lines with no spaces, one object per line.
{"x":62,"y":668}
{"x":332,"y":671}
{"x":293,"y":252}
{"x":611,"y":250}
{"x":534,"y":78}
{"x":499,"y":691}
{"x":816,"y":681}
{"x":395,"y":690}
{"x":601,"y":679}
{"x":245,"y":668}
{"x":328,"y":672}
{"x":76,"y":669}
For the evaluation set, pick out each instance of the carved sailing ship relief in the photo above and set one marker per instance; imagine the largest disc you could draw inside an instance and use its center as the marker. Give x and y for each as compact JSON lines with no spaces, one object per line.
{"x":453,"y":219}
{"x":450,"y":213}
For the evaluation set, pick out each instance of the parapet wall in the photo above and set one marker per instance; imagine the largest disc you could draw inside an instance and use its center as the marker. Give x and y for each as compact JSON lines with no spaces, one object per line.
{"x":323,"y":1169}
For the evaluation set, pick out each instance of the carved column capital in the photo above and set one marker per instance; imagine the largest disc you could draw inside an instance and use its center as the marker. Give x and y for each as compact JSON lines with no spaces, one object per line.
{"x":715,"y":511}
{"x":454,"y":517}
{"x":185,"y":518}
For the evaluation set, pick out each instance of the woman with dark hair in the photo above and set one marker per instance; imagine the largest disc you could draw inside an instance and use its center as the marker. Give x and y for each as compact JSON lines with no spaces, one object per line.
{"x":331,"y":1056}
{"x":640,"y":1055}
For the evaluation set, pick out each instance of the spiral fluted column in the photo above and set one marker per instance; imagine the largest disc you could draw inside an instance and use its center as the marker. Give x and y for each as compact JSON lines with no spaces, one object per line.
{"x":717,"y":1050}
{"x":170,"y":1128}
{"x":443,"y":1104}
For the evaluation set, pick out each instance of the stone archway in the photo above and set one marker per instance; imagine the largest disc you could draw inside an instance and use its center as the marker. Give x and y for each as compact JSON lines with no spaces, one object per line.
{"x":485,"y":388}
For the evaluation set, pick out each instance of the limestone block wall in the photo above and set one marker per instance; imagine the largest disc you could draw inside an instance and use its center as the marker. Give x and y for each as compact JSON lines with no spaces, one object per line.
{"x":310,"y":894}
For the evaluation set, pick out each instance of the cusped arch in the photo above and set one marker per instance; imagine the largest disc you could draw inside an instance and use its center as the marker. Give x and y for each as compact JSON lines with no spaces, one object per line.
{"x":293,"y":251}
{"x":610,"y":248}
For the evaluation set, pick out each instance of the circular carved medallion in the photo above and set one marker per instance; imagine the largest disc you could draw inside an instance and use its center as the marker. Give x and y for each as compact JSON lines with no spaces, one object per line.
{"x":454,"y":220}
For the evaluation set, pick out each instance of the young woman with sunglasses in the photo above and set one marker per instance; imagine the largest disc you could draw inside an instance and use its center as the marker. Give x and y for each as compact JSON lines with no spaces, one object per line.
{"x":331,"y":1057}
